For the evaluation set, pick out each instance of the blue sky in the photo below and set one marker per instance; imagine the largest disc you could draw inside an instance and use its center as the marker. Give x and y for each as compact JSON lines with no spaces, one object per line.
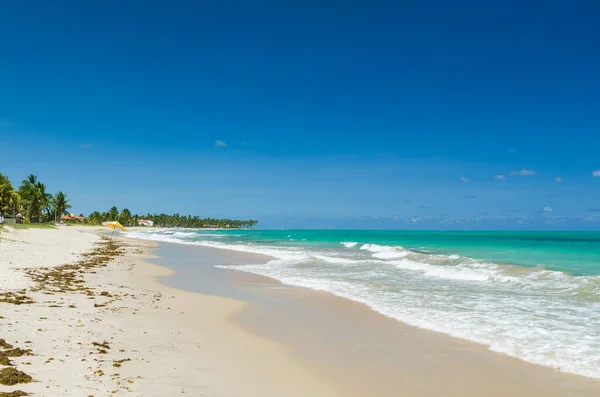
{"x":312,"y":113}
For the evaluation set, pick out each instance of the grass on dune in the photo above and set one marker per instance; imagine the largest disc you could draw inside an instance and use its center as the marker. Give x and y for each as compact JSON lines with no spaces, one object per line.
{"x":31,"y":226}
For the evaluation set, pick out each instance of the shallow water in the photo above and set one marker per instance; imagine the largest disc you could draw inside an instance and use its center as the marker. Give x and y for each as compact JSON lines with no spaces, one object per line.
{"x":532,"y":295}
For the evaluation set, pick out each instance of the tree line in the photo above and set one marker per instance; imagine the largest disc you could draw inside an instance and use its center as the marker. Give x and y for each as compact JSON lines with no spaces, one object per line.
{"x":126,"y":218}
{"x":36,"y":205}
{"x":31,"y":200}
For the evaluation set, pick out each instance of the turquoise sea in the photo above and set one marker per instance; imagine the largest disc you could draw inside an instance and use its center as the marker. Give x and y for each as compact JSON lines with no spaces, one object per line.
{"x":532,"y":295}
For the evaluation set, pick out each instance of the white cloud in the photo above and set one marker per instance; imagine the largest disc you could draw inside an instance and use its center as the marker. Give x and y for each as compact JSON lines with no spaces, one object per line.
{"x":86,"y":146}
{"x":523,"y":173}
{"x":463,"y":179}
{"x":500,"y":177}
{"x":558,"y":179}
{"x":219,"y":143}
{"x":596,"y":173}
{"x":547,"y":209}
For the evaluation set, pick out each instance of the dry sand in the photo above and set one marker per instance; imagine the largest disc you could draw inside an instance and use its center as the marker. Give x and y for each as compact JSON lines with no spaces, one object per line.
{"x":122,"y":332}
{"x":100,"y":325}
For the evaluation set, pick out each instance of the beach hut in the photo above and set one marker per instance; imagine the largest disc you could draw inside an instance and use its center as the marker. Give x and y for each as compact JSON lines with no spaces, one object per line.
{"x":72,"y":218}
{"x":19,"y":218}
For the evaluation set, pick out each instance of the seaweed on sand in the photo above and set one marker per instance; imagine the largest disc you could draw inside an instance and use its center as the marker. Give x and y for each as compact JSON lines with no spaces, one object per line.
{"x":14,"y":393}
{"x":7,"y":350}
{"x":15,"y":298}
{"x":118,"y":363}
{"x":10,"y":376}
{"x":69,"y":278}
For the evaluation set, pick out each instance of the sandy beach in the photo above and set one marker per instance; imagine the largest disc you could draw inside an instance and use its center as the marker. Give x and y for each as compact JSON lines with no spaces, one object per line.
{"x":82,"y":315}
{"x":119,"y":331}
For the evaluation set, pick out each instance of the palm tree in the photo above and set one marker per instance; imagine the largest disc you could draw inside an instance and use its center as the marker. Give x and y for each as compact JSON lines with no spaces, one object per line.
{"x":6,"y":193}
{"x":125,"y":217}
{"x":15,"y":203}
{"x":60,"y":204}
{"x":35,"y":198}
{"x":95,"y":218}
{"x":113,"y":214}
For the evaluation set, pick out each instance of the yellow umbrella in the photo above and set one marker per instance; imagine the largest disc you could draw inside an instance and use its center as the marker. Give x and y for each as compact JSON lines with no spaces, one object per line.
{"x":114,"y":225}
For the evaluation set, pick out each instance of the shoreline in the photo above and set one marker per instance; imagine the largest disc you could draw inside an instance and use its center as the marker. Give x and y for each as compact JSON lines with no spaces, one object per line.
{"x":128,"y":327}
{"x":539,"y":316}
{"x":458,"y":363}
{"x":114,"y":329}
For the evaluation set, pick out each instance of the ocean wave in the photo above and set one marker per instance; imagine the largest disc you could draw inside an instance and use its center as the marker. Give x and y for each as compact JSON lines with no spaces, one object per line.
{"x":450,"y":267}
{"x":519,"y":329}
{"x":385,"y":252}
{"x":450,"y":273}
{"x":536,"y":314}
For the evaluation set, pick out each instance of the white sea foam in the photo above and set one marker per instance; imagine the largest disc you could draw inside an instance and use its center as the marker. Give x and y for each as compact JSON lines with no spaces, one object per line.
{"x":542,"y":316}
{"x":385,"y":252}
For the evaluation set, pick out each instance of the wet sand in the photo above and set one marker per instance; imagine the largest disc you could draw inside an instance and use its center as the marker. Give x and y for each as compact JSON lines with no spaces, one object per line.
{"x":90,"y":319}
{"x":356,"y":350}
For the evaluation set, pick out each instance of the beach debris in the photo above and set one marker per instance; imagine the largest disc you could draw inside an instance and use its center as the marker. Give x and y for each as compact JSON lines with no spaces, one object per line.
{"x":10,"y":376}
{"x":69,"y":278}
{"x":104,"y":345}
{"x":99,"y":372}
{"x":118,"y":363}
{"x":101,"y":348}
{"x":16,"y":298}
{"x":7,"y":350}
{"x":14,"y":393}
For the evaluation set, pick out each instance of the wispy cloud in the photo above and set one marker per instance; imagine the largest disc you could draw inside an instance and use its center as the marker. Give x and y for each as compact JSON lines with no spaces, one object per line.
{"x":525,"y":173}
{"x":463,"y":179}
{"x":547,"y":209}
{"x":558,"y":179}
{"x":596,"y":173}
{"x":471,"y":197}
{"x":86,"y":146}
{"x":219,"y":143}
{"x":500,"y":177}
{"x":512,"y":150}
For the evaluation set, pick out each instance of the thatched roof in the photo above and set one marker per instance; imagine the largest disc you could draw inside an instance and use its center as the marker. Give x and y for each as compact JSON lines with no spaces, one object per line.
{"x":72,"y":218}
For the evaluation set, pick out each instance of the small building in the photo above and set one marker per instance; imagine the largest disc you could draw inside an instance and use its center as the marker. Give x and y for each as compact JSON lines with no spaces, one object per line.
{"x":145,"y":222}
{"x":19,"y":218}
{"x":72,"y":218}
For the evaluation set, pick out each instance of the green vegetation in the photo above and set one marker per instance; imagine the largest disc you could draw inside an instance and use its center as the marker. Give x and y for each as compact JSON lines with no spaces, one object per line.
{"x":33,"y":226}
{"x":61,"y":204}
{"x":32,"y":201}
{"x":163,"y":220}
{"x":38,"y":207}
{"x":35,"y":199}
{"x":10,"y":200}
